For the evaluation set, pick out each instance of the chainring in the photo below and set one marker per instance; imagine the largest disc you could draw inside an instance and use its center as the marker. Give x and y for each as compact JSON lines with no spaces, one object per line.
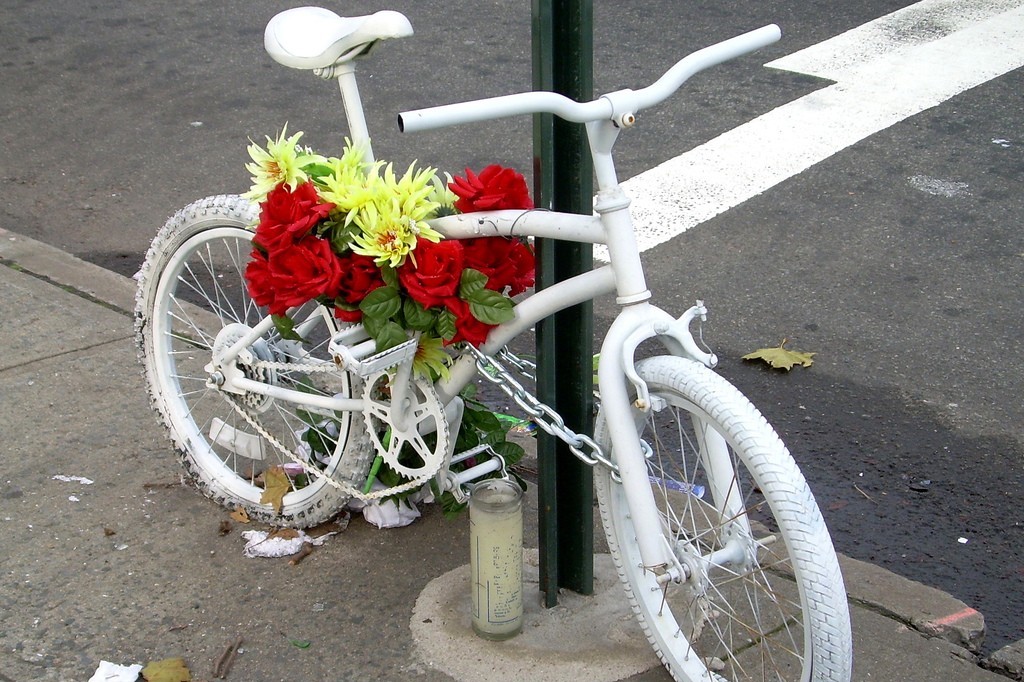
{"x":418,"y":450}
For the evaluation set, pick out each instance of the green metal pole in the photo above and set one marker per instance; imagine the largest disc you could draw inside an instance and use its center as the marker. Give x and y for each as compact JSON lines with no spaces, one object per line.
{"x":563,"y":181}
{"x":543,"y":179}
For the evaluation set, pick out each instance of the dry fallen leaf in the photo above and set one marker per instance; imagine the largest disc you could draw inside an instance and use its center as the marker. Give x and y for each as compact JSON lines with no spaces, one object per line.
{"x":780,"y":357}
{"x":336,"y":525}
{"x":240,"y":515}
{"x":167,"y":670}
{"x":277,"y":485}
{"x":283,"y":533}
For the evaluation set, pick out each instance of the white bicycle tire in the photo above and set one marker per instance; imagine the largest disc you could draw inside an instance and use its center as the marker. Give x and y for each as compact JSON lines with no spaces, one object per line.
{"x":216,"y":229}
{"x":823,"y":642}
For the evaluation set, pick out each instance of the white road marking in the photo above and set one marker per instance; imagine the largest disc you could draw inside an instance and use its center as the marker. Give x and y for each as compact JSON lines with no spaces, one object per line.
{"x":885,"y":71}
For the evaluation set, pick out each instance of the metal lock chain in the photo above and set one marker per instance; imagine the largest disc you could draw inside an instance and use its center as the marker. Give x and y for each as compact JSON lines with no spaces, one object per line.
{"x":544,"y":416}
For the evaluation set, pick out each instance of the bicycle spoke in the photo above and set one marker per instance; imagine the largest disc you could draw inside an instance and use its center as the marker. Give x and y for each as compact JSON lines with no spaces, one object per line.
{"x":740,"y":606}
{"x":194,"y":286}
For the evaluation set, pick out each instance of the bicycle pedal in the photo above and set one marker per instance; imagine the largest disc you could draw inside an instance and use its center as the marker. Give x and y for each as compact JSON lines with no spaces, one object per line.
{"x":460,"y":484}
{"x":387,"y":359}
{"x":360,"y":357}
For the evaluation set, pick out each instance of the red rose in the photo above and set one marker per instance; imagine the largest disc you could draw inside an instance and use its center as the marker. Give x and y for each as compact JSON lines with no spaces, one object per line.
{"x":506,"y":262}
{"x":294,"y":275}
{"x":348,"y":315}
{"x":359,"y":276}
{"x":287,"y":216}
{"x":431,"y":274}
{"x":259,"y":280}
{"x":525,"y":267}
{"x":495,"y":188}
{"x":468,"y":328}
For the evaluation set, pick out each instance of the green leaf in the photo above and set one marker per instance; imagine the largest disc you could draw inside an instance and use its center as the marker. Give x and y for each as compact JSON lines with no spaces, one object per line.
{"x":381,"y":303}
{"x":286,"y":328}
{"x":450,"y":507}
{"x":318,"y":441}
{"x":301,"y":643}
{"x":482,"y":420}
{"x":471,"y":282}
{"x":446,"y":328}
{"x":341,"y":235}
{"x":317,"y":170}
{"x":781,"y":358}
{"x":417,"y":317}
{"x":519,"y":479}
{"x":390,"y":276}
{"x":490,"y":307}
{"x":378,"y":461}
{"x":466,"y":440}
{"x":389,"y":336}
{"x":373,"y":325}
{"x":388,"y":477}
{"x":345,"y":305}
{"x":512,"y":452}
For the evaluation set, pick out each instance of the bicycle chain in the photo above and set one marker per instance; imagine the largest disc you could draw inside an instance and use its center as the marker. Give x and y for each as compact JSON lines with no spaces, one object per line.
{"x":540,"y":414}
{"x":321,"y":366}
{"x":340,"y":485}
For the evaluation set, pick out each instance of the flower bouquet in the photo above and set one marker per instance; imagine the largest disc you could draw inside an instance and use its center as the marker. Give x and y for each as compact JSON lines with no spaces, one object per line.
{"x":354,"y":236}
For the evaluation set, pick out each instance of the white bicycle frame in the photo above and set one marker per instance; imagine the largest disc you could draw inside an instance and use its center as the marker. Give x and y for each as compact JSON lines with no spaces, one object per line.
{"x":637,"y":321}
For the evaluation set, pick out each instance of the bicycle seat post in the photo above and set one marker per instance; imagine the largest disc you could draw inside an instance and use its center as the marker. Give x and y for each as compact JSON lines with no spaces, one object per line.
{"x":353,"y":105}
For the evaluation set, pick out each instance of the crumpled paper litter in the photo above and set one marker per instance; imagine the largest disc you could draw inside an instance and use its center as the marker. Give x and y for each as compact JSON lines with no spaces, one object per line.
{"x":391,"y":514}
{"x":257,"y":544}
{"x":112,"y":672}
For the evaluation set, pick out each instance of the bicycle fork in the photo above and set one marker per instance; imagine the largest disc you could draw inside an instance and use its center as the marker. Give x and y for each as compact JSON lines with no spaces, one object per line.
{"x":616,"y":375}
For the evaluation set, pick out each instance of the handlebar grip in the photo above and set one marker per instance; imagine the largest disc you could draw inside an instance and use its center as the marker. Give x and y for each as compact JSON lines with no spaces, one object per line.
{"x":705,"y":58}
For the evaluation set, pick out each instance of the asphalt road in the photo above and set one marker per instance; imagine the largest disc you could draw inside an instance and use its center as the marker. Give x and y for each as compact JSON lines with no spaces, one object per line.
{"x":116,"y":114}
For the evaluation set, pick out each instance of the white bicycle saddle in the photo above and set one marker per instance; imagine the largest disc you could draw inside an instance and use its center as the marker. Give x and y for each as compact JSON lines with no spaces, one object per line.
{"x":315,"y":38}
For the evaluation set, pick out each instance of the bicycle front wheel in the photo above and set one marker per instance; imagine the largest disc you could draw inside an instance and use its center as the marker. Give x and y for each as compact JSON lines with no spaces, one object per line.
{"x":761,"y":596}
{"x":193,"y":303}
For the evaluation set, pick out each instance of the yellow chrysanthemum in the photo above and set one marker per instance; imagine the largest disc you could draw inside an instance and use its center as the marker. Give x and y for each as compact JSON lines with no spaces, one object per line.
{"x":442,"y":195}
{"x":349,"y":184}
{"x":431,"y":361}
{"x":414,"y":188}
{"x":281,"y":162}
{"x":387,"y":235}
{"x":392,"y":221}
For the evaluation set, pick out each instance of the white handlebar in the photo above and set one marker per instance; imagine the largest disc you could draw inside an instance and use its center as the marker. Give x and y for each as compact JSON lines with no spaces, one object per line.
{"x":611,"y":106}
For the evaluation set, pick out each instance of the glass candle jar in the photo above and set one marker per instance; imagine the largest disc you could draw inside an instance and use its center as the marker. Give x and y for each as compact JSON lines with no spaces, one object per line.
{"x":496,"y":558}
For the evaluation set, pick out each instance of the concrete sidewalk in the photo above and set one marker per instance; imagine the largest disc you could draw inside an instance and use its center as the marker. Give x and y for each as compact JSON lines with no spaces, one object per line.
{"x":132,"y":567}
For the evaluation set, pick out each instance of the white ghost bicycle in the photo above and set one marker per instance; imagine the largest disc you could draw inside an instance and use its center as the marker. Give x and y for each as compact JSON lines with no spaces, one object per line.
{"x":723,"y":551}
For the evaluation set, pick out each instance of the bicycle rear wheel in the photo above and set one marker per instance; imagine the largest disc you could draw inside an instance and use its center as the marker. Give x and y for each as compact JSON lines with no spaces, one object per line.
{"x":764,"y":598}
{"x":192,"y":303}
